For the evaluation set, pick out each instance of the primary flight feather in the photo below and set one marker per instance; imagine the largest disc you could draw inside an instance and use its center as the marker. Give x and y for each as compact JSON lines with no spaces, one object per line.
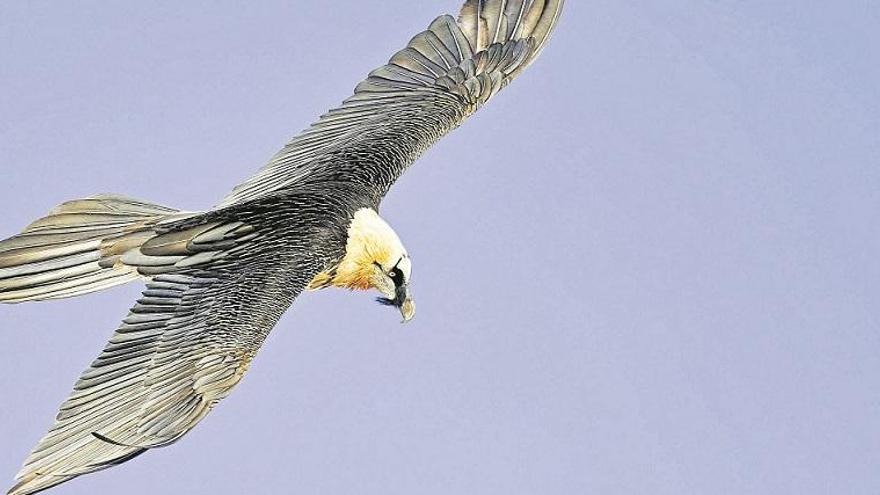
{"x":218,"y":281}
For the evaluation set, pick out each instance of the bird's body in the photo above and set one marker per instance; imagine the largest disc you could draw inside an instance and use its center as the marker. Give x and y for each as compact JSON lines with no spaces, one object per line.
{"x":218,"y":281}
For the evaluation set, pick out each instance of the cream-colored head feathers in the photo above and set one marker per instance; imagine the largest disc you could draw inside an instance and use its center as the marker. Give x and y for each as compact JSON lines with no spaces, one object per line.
{"x":372,"y":250}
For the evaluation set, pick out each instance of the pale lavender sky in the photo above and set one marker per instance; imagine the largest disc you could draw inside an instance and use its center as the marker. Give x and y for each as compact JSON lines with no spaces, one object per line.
{"x":649,"y":266}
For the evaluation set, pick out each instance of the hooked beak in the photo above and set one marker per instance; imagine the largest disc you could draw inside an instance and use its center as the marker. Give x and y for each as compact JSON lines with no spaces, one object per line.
{"x":401,"y":301}
{"x":404,"y":303}
{"x":407,"y":309}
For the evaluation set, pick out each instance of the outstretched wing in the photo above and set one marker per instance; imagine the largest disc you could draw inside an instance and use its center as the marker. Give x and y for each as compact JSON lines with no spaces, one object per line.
{"x":182,"y":348}
{"x":430,"y":87}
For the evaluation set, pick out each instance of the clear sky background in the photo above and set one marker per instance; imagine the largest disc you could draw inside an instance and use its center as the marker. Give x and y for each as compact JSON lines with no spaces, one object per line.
{"x":649,"y":266}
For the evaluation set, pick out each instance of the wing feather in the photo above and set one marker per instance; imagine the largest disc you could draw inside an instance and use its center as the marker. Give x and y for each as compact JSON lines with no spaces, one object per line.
{"x":182,"y":348}
{"x":431,"y":86}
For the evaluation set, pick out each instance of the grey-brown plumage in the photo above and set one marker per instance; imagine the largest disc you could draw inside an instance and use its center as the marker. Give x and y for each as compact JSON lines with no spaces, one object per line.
{"x":218,"y":281}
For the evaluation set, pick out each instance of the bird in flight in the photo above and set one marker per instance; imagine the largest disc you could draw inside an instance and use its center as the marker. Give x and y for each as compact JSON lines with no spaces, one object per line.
{"x":217,"y":281}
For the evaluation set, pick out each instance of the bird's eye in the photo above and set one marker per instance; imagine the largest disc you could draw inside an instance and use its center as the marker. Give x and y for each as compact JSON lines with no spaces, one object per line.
{"x":393,"y":274}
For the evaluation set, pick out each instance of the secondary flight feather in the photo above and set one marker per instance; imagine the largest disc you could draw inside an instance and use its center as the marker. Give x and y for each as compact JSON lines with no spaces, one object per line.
{"x":217,"y":281}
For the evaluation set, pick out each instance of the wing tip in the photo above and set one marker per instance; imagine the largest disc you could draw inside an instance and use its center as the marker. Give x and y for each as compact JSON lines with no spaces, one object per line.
{"x":29,"y":482}
{"x":509,"y":21}
{"x":35,"y":483}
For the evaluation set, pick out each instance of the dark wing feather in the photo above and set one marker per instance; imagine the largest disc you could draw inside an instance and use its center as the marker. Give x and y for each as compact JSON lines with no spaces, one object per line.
{"x":430,"y":87}
{"x":182,"y":348}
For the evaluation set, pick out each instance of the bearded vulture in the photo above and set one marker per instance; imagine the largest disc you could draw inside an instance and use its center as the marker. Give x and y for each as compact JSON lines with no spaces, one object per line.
{"x":217,"y":281}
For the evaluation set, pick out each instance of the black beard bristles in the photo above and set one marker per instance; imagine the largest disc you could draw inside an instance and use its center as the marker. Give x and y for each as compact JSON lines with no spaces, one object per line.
{"x":384,"y":301}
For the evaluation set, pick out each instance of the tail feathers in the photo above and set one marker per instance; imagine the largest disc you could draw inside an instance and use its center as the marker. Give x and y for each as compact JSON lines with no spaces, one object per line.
{"x":75,"y":249}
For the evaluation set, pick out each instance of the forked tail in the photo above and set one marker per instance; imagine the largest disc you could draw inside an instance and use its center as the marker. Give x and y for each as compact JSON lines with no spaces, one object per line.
{"x":76,"y":248}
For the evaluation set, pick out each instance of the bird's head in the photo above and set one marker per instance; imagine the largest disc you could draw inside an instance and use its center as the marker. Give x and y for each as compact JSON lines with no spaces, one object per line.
{"x":374,"y":259}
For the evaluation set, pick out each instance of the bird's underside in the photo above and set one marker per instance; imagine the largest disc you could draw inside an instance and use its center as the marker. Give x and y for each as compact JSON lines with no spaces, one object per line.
{"x":218,"y":281}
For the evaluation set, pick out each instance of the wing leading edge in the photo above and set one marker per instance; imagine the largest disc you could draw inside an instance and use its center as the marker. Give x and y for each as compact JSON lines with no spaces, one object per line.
{"x":427,"y":89}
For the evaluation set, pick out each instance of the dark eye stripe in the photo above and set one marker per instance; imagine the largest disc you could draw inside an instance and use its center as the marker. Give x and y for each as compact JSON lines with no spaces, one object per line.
{"x":396,"y":273}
